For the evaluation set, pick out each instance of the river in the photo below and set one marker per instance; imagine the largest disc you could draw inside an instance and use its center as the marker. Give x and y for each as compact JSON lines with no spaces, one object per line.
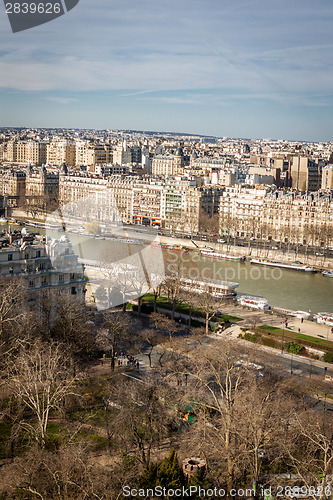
{"x":282,"y":288}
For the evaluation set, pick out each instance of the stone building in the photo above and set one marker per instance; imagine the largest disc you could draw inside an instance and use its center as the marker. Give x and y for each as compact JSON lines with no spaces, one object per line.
{"x":277,"y":215}
{"x":12,"y":187}
{"x":33,"y":152}
{"x":167,"y":165}
{"x":327,"y":178}
{"x":41,"y":264}
{"x":305,"y":174}
{"x":59,"y":152}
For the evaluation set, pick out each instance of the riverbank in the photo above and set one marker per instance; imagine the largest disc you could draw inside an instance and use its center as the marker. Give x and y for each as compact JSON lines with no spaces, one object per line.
{"x":251,"y":253}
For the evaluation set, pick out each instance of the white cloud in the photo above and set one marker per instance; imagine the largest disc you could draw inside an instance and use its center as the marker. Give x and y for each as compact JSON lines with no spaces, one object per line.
{"x":61,"y":100}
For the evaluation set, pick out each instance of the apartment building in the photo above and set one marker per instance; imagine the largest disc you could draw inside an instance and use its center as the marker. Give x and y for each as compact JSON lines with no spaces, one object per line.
{"x":12,"y":186}
{"x":147,"y":196}
{"x":121,"y":187}
{"x":42,"y":264}
{"x":123,"y":154}
{"x":297,"y":218}
{"x":167,"y":165}
{"x":277,"y":215}
{"x":10,"y":151}
{"x":240,"y":211}
{"x":305,"y":174}
{"x":327,"y":178}
{"x":91,"y":153}
{"x":41,"y":184}
{"x":59,"y":152}
{"x":26,"y":152}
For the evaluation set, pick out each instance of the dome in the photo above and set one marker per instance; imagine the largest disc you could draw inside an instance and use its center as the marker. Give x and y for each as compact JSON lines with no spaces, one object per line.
{"x":179,"y":152}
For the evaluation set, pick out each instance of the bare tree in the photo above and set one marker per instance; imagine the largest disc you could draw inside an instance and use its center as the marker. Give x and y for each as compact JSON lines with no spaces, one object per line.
{"x":209,"y":305}
{"x":64,"y":475}
{"x":310,"y":451}
{"x":12,"y":310}
{"x":39,"y":376}
{"x":72,"y":326}
{"x":216,"y":383}
{"x":141,"y":418}
{"x":115,"y":333}
{"x":155,"y":334}
{"x":172,"y":285}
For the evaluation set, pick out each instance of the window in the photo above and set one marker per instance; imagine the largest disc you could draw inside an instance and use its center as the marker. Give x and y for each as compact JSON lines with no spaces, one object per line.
{"x":61,"y":278}
{"x":37,"y":254}
{"x":10,"y":256}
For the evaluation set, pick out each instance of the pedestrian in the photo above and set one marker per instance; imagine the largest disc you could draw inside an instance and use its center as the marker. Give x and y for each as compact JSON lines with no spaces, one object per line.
{"x":137,"y":364}
{"x":302,"y":319}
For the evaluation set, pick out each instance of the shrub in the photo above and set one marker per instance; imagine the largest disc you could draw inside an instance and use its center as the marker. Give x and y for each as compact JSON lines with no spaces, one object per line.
{"x":328,"y":357}
{"x":293,"y":348}
{"x":252,"y":337}
{"x":269,"y":342}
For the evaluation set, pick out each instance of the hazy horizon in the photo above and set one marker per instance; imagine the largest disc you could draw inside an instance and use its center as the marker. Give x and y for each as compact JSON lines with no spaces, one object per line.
{"x":244,"y":69}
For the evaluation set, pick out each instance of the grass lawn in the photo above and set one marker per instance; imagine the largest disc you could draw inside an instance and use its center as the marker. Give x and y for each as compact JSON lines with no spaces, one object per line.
{"x":184,"y":308}
{"x":296,"y":336}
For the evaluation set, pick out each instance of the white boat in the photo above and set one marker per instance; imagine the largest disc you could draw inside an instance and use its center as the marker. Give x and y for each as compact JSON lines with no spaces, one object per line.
{"x":218,"y":289}
{"x":293,"y":267}
{"x":290,"y":312}
{"x":324,"y":318}
{"x":328,"y":274}
{"x":218,"y":255}
{"x":254,"y":302}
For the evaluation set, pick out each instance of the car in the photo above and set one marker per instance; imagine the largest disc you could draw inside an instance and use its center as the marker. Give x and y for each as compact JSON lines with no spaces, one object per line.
{"x":221,"y":241}
{"x":275,"y":248}
{"x":319,"y":254}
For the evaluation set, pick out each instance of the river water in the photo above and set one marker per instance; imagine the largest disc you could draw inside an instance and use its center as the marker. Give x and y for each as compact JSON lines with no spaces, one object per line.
{"x":282,"y":288}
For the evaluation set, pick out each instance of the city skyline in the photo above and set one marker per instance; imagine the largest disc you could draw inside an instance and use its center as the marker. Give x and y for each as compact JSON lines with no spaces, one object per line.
{"x":241,"y":70}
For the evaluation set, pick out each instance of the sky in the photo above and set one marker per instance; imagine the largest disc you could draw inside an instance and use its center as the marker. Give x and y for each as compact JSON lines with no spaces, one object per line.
{"x":235,"y":68}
